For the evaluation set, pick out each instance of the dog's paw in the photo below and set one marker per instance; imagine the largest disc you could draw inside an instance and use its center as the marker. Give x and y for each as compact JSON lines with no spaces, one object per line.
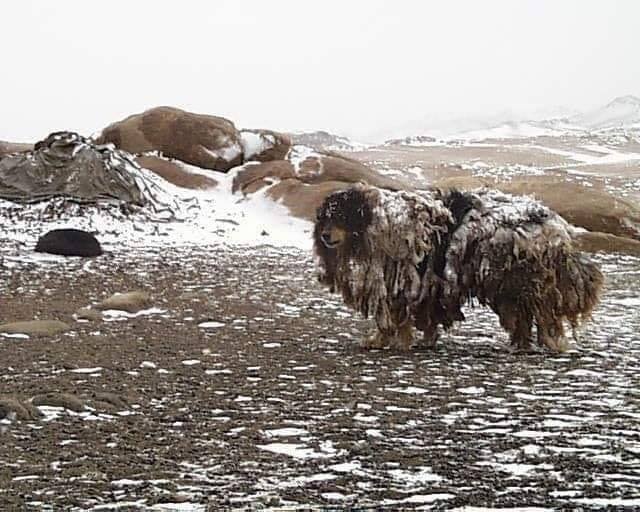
{"x":374,"y":341}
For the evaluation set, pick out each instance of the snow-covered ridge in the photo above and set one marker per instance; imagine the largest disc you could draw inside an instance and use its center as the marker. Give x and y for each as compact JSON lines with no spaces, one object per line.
{"x":622,"y":113}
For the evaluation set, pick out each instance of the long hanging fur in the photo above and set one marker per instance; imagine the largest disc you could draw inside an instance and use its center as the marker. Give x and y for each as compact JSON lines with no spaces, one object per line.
{"x":415,"y":259}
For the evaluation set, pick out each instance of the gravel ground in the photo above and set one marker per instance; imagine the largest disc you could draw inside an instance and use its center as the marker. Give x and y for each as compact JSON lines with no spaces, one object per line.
{"x":244,"y":388}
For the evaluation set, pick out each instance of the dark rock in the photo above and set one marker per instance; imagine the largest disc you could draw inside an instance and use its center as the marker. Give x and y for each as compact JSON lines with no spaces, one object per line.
{"x":69,"y":242}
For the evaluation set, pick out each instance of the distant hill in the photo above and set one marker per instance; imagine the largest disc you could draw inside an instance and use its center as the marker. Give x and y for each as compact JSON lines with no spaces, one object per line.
{"x":325,"y":141}
{"x":622,"y":112}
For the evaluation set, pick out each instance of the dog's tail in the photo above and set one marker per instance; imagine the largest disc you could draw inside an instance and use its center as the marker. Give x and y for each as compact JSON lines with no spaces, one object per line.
{"x":580,"y":283}
{"x":574,"y":294}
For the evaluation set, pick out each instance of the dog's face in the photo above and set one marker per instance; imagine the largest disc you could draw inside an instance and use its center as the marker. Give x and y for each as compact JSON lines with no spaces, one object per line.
{"x":333,"y":236}
{"x":342,"y":219}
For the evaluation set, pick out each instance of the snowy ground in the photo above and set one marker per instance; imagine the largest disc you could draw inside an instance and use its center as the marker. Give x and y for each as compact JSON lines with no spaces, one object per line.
{"x":245,"y":387}
{"x":213,"y":216}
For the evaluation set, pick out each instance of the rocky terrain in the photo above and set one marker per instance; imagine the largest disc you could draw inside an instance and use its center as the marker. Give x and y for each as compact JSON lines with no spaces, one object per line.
{"x":230,"y":380}
{"x":241,"y":384}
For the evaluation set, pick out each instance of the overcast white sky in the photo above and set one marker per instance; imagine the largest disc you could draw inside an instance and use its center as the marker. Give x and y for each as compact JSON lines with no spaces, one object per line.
{"x":353,"y":67}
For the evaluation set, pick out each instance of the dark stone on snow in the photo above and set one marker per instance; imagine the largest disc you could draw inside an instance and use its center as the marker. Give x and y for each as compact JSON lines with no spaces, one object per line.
{"x":69,"y":242}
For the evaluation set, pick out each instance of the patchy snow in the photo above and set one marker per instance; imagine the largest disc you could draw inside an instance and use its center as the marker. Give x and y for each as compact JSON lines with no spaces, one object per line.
{"x":501,"y":509}
{"x":409,"y":390}
{"x":592,"y":154}
{"x":255,"y":143}
{"x":110,"y":315}
{"x":285,"y":432}
{"x":471,"y":390}
{"x":609,"y":502}
{"x":17,"y":335}
{"x":629,"y":301}
{"x":228,"y":153}
{"x":298,"y":154}
{"x":295,"y":450}
{"x":87,"y":370}
{"x":211,"y":325}
{"x":213,"y":216}
{"x":512,"y":130}
{"x":412,"y":478}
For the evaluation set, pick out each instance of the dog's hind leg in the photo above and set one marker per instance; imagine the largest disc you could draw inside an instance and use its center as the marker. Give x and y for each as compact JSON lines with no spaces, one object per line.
{"x":405,"y":336}
{"x":518,"y":324}
{"x":552,"y":337}
{"x":521,"y":336}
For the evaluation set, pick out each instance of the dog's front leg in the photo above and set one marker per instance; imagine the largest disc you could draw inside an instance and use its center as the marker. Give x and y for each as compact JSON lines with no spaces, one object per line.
{"x":377,"y":340}
{"x":430,"y":336}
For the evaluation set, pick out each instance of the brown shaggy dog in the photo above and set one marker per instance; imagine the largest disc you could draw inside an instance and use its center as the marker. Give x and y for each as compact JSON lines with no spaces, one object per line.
{"x":414,"y":259}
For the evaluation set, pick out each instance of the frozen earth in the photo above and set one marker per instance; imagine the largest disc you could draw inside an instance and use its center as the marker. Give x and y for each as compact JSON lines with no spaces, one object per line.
{"x":244,"y":387}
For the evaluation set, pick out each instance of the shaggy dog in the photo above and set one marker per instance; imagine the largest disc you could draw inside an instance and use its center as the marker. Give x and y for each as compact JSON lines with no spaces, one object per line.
{"x":69,"y":242}
{"x":414,"y":259}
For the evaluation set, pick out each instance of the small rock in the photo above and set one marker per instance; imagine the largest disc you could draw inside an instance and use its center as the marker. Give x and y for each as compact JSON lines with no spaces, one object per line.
{"x":22,"y":410}
{"x":116,"y":401}
{"x":66,"y":400}
{"x":88,"y":314}
{"x":131,"y":302}
{"x":35,"y":327}
{"x":264,"y":233}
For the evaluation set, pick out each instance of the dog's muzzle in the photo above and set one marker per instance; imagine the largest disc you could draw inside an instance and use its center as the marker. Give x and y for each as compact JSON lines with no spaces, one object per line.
{"x":326,"y":240}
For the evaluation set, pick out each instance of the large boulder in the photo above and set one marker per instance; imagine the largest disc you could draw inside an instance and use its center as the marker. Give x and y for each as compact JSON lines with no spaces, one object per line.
{"x":254,"y":176}
{"x":209,"y":142}
{"x":593,"y":208}
{"x":69,"y":242}
{"x":301,"y":199}
{"x":306,"y":177}
{"x":329,"y":166}
{"x":9,"y":148}
{"x":176,"y":172}
{"x":605,"y":242}
{"x":264,"y":145}
{"x":311,"y":167}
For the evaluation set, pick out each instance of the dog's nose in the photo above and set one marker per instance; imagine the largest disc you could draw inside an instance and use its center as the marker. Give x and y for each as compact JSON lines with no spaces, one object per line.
{"x":326,"y":238}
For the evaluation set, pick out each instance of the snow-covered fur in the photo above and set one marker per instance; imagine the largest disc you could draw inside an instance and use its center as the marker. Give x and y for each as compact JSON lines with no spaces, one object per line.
{"x":414,"y":259}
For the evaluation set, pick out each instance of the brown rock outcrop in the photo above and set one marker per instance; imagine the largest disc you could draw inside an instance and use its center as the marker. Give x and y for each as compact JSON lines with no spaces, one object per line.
{"x":206,"y":141}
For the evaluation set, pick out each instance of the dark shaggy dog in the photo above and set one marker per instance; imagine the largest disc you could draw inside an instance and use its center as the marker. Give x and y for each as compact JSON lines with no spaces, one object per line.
{"x":69,"y":242}
{"x":413,"y":260}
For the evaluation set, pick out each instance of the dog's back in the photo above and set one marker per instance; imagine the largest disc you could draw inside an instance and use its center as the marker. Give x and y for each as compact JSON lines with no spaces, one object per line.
{"x":516,"y":255}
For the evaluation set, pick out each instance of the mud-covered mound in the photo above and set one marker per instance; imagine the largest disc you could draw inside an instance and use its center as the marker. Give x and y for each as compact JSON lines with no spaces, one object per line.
{"x":70,"y":166}
{"x":176,"y":172}
{"x":305,"y":177}
{"x":210,"y":142}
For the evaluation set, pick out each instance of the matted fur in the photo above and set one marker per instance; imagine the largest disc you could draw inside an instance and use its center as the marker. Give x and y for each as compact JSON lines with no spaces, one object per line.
{"x":409,"y":259}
